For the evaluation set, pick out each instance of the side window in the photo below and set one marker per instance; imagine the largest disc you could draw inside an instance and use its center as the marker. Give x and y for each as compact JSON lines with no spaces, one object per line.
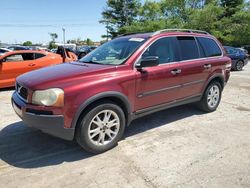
{"x":14,"y":58}
{"x":209,"y":47}
{"x":38,"y":55}
{"x":165,"y":49}
{"x":28,"y":56}
{"x":188,"y":48}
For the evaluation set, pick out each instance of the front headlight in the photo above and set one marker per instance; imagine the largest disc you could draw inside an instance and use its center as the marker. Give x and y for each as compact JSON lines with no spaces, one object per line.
{"x":49,"y":97}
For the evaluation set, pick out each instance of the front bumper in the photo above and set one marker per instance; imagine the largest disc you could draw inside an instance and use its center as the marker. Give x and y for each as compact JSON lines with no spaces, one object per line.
{"x":50,"y":124}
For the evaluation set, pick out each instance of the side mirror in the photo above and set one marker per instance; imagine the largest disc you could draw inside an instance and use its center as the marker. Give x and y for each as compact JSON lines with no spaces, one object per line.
{"x":150,"y":61}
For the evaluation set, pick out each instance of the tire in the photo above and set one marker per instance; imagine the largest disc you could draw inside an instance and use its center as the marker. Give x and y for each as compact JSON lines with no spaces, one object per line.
{"x":210,"y":105}
{"x":239,"y":65}
{"x":95,"y":134}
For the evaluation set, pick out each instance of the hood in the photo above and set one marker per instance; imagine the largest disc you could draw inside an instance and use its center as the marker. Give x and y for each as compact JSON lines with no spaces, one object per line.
{"x":55,"y":76}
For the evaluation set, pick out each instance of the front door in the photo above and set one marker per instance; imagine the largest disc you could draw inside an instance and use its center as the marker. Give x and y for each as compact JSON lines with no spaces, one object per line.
{"x":159,"y":85}
{"x":13,"y":66}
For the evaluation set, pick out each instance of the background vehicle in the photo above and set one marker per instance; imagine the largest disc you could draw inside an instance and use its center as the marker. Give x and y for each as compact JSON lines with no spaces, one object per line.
{"x":4,"y":50}
{"x":13,"y":64}
{"x":246,"y":47}
{"x":239,"y":57}
{"x":81,"y":51}
{"x":124,"y":79}
{"x":14,"y":48}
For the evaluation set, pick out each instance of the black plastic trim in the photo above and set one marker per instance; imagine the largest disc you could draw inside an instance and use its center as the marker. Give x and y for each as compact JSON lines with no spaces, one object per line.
{"x":169,"y":88}
{"x":50,"y":124}
{"x":153,"y":109}
{"x":102,"y":95}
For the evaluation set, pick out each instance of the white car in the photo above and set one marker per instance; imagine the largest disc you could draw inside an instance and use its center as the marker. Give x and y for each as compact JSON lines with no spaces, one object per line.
{"x":4,"y":50}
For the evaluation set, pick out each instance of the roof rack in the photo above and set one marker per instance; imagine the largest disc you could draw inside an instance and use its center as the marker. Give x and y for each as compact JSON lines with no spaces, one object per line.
{"x":182,"y":30}
{"x":132,"y":33}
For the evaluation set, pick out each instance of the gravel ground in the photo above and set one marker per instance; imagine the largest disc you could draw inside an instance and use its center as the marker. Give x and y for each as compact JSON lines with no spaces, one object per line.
{"x":179,"y":147}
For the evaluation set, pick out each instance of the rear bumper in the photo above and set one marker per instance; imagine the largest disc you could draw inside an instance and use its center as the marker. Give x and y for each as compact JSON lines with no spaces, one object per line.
{"x":50,"y":124}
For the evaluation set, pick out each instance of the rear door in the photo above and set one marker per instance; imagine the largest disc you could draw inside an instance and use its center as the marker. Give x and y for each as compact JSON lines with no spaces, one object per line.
{"x":198,"y":57}
{"x":160,"y":84}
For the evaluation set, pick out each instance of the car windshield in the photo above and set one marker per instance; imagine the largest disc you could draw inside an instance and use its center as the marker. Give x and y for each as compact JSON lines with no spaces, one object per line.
{"x":114,"y":52}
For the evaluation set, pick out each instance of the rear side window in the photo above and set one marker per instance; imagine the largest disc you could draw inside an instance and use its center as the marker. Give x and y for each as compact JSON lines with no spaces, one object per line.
{"x":188,"y":48}
{"x":165,"y":49}
{"x":209,"y":48}
{"x":28,"y":56}
{"x":38,"y":55}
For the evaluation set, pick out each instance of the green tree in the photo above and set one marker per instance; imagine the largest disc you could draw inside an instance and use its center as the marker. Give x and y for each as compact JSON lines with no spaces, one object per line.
{"x":53,"y":36}
{"x":52,"y":45}
{"x":119,"y":13}
{"x":27,"y":43}
{"x":231,"y":6}
{"x":228,"y":20}
{"x":150,"y":10}
{"x":89,"y":42}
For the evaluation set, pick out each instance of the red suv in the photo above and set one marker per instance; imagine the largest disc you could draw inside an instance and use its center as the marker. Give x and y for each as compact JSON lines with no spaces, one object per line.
{"x":94,"y":99}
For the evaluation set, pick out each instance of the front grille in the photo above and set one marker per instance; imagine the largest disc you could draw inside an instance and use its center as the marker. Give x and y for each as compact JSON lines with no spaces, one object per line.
{"x":22,"y":91}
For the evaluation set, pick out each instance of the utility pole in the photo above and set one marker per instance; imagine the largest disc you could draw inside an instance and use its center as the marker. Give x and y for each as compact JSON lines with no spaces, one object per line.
{"x":63,"y":36}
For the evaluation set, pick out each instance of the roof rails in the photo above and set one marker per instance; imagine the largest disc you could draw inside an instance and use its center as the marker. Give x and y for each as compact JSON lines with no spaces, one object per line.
{"x":181,"y":30}
{"x":132,"y":33}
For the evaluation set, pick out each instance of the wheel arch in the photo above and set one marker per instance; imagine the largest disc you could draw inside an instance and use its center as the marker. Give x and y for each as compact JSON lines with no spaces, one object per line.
{"x":116,"y":97}
{"x":219,"y":78}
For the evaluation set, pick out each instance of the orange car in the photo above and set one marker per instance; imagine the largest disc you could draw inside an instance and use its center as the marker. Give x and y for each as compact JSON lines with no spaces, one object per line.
{"x":13,"y":64}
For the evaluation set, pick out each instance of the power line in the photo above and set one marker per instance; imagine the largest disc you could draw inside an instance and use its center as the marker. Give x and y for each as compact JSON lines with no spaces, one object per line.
{"x":46,"y":25}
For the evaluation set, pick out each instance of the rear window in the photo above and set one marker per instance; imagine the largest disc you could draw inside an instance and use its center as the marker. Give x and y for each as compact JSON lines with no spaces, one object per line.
{"x":38,"y":55}
{"x":188,"y":48}
{"x":209,"y":48}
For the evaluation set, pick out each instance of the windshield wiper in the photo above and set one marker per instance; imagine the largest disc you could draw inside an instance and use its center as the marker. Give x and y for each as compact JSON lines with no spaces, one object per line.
{"x":92,"y":62}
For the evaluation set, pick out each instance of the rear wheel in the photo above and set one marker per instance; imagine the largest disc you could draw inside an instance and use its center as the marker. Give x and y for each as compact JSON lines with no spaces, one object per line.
{"x":211,"y":98}
{"x":101,"y":128}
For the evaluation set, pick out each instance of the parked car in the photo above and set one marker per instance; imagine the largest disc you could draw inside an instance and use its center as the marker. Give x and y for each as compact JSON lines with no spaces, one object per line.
{"x":246,"y":47}
{"x":13,"y":64}
{"x":95,"y":99}
{"x":239,"y":57}
{"x":81,"y":51}
{"x":15,"y":48}
{"x":93,"y":47}
{"x":4,"y":50}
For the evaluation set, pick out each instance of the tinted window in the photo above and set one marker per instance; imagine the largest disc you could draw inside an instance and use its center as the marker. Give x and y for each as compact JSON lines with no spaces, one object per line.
{"x":28,"y":56}
{"x":164,"y":48}
{"x":38,"y":55}
{"x":188,"y":48}
{"x":209,"y":47}
{"x":230,"y":50}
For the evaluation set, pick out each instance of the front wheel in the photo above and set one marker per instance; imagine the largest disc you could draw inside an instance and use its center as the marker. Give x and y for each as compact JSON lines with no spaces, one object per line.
{"x":101,"y":128}
{"x":211,"y":98}
{"x":239,"y":65}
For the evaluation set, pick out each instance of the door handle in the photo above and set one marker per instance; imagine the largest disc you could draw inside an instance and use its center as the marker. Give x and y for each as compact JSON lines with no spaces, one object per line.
{"x":32,"y":64}
{"x":176,"y":71}
{"x":207,"y":66}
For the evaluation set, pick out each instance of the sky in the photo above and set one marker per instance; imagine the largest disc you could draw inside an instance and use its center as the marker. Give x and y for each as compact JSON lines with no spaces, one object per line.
{"x":33,"y":20}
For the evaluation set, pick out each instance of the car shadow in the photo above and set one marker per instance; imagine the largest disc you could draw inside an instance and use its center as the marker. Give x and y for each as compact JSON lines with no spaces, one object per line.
{"x":24,"y":147}
{"x":7,"y":89}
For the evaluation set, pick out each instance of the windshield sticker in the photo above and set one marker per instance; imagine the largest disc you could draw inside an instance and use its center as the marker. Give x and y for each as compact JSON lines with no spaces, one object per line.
{"x":136,"y":39}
